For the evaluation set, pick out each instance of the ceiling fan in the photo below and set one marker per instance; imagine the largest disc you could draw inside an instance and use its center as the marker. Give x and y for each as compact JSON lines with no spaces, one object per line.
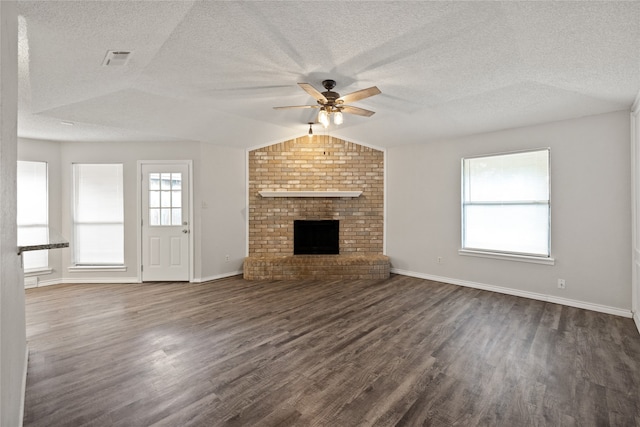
{"x":331,"y":103}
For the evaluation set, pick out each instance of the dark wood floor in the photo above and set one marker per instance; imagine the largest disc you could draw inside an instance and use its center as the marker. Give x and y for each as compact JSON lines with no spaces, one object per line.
{"x":398,"y":352}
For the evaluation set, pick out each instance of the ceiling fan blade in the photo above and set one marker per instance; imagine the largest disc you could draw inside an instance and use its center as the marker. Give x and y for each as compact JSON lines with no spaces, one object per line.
{"x":313,"y":92}
{"x":358,"y":111}
{"x":360,"y":94}
{"x":296,"y":106}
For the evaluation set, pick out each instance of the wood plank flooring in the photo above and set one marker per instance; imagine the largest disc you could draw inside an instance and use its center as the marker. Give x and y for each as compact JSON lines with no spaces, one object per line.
{"x":396,"y":352}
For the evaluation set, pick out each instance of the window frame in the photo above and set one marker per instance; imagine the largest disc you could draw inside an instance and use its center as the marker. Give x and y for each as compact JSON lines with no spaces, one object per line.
{"x":504,"y":254}
{"x":94,"y":266}
{"x":41,"y":268}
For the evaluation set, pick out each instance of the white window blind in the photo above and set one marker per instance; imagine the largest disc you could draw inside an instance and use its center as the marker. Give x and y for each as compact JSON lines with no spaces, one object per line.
{"x":33,"y":212}
{"x":505,"y":203}
{"x":98,"y":214}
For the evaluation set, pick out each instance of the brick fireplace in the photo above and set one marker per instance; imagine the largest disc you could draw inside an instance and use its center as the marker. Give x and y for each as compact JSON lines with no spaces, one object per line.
{"x":311,"y":170}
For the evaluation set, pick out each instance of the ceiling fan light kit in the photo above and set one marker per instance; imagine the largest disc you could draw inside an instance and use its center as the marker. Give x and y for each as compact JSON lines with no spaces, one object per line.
{"x":331,"y":103}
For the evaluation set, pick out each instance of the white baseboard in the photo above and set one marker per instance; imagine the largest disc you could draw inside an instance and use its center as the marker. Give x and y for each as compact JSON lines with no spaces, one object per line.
{"x":125,"y":280}
{"x":31,"y":282}
{"x":525,"y":294}
{"x":93,"y":280}
{"x":636,"y":318}
{"x":23,"y":391}
{"x":217,"y":276}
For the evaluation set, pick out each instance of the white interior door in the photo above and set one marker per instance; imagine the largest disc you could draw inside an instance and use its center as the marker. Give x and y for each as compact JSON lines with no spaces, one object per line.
{"x":165,"y":222}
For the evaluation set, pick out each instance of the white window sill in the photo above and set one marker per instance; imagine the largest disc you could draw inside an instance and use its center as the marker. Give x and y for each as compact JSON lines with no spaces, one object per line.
{"x":96,"y":268}
{"x":507,"y":257}
{"x":37,"y":271}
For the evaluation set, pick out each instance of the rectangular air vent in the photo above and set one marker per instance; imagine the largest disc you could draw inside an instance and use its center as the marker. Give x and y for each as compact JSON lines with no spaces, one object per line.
{"x":116,"y":58}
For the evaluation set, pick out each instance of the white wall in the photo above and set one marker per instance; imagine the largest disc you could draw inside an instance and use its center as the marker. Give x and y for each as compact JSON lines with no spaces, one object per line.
{"x":223,"y":210}
{"x":590,"y":205}
{"x":635,"y":199}
{"x":219,"y":180}
{"x":12,"y":315}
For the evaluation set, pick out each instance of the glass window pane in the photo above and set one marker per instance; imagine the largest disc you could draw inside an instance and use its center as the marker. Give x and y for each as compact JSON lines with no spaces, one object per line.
{"x":165,"y":182}
{"x":154,"y":216}
{"x":99,"y":244}
{"x":508,"y":177}
{"x":176,"y":181}
{"x":176,"y":216}
{"x":509,"y":228}
{"x":32,"y":211}
{"x":165,"y":216}
{"x":98,"y":214}
{"x":165,"y":199}
{"x":506,"y":203}
{"x":32,"y":260}
{"x":154,"y":199}
{"x":32,"y":193}
{"x":176,"y":199}
{"x":98,"y":193}
{"x":154,"y":181}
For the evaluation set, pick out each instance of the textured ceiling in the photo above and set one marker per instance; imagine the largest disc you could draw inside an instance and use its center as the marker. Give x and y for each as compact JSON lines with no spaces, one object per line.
{"x":212,"y":71}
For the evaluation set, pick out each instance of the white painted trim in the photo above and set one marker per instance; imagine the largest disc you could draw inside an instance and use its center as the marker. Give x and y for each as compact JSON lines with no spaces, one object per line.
{"x":246,"y":202}
{"x":89,"y":281}
{"x":384,"y":202}
{"x":636,"y":318}
{"x":96,"y":268}
{"x":353,"y":194}
{"x":636,"y":104}
{"x":515,"y":292}
{"x":30,"y":282}
{"x":507,"y":257}
{"x":38,"y":271}
{"x":23,"y":389}
{"x":635,"y":215}
{"x":192,"y":251}
{"x":218,"y":276}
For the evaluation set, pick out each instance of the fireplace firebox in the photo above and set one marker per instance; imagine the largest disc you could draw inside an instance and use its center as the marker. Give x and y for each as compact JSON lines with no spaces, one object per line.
{"x":316,"y":237}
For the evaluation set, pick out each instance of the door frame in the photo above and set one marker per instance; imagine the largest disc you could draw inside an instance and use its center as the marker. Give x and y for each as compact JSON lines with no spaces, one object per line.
{"x":140,"y":164}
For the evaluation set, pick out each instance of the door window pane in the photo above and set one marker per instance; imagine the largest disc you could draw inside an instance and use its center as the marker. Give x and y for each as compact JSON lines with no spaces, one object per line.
{"x":168,"y":199}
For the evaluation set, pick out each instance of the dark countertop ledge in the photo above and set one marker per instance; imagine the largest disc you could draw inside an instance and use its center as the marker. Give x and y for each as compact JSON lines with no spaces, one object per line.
{"x":54,"y":241}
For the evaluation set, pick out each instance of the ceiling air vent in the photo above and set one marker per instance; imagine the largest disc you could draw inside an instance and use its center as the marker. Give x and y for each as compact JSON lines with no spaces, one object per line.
{"x":116,"y":58}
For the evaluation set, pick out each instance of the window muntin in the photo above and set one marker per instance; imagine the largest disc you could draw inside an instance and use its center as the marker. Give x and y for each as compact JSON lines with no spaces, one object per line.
{"x":165,"y":199}
{"x":98,"y":214}
{"x":33,"y":212}
{"x":505,"y":203}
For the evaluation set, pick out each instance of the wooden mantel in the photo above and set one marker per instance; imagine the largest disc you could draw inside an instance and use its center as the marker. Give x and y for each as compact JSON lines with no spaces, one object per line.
{"x":310,"y":193}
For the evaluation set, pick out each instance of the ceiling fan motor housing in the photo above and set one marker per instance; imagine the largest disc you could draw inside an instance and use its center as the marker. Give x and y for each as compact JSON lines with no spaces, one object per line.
{"x":329,"y":94}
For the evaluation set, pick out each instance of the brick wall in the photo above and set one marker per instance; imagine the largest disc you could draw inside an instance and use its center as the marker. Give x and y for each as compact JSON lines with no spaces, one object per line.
{"x":318,"y":164}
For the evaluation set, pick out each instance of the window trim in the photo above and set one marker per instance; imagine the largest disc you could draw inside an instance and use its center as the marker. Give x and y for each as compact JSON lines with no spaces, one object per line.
{"x":42,"y":269}
{"x":86,"y":266}
{"x":506,"y":255}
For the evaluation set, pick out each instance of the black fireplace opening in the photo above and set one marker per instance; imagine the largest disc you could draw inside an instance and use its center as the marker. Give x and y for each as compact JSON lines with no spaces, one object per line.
{"x":316,"y":237}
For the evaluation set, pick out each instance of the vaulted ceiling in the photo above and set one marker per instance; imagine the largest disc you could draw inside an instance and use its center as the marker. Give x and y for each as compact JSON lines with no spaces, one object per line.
{"x":212,"y":71}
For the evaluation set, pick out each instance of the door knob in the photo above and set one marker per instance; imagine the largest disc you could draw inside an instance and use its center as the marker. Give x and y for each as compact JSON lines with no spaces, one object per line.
{"x":185,"y":231}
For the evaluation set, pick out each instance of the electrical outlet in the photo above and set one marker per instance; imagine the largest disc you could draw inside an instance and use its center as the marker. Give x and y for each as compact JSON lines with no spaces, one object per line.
{"x":226,"y":258}
{"x":561,"y":284}
{"x":439,"y":260}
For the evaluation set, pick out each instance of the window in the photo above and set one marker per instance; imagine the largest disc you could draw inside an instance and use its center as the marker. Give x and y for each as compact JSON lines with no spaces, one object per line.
{"x":98,"y":214}
{"x":165,"y":199}
{"x":33,"y":212}
{"x":505,"y":203}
